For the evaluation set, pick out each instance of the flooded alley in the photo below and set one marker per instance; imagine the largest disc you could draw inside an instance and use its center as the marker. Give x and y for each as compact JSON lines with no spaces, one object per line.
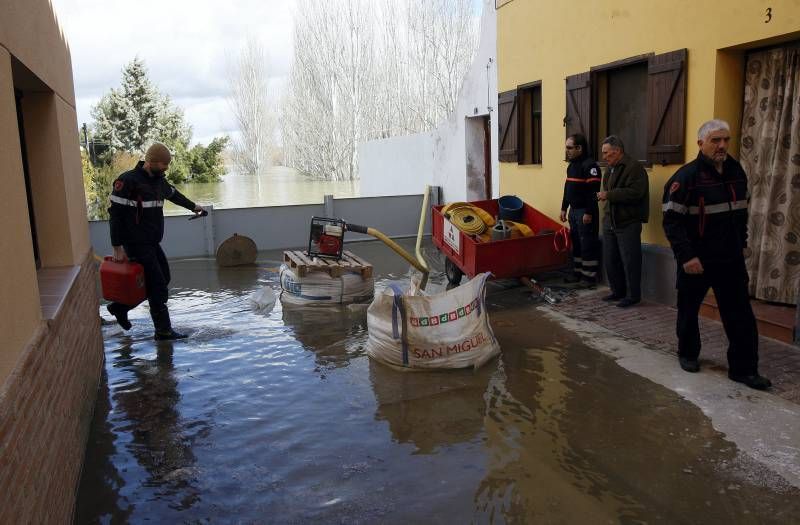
{"x":280,"y":417}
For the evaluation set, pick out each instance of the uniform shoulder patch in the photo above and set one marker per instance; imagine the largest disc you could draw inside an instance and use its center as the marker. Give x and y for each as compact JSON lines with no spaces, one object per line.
{"x":118,"y":185}
{"x":675,"y":187}
{"x":593,"y":171}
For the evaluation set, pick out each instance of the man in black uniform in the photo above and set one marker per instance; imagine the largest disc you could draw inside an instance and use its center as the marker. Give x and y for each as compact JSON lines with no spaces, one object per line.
{"x":705,"y":220}
{"x":580,"y":188}
{"x":137,"y":227}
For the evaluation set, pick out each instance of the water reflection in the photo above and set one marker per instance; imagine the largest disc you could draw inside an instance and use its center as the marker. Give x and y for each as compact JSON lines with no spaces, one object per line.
{"x":147,"y":399}
{"x":571,"y":437}
{"x":333,"y":333}
{"x":149,"y":402}
{"x":431,"y":410}
{"x":101,"y":477}
{"x":535,"y":472}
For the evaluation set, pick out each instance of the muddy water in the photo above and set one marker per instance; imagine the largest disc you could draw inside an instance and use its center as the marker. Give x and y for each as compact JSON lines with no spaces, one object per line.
{"x":281,"y":418}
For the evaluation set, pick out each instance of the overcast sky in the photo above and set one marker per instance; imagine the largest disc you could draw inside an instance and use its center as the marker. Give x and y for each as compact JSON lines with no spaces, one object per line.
{"x":185,"y":44}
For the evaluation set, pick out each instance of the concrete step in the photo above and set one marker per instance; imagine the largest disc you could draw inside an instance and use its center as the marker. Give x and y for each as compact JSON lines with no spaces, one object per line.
{"x":775,"y":321}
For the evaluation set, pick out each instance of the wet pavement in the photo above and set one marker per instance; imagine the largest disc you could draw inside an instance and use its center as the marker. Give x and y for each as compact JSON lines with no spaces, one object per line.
{"x":280,"y":417}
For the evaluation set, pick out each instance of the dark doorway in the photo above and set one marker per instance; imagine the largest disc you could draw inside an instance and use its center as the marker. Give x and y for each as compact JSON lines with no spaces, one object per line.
{"x":479,"y":158}
{"x":24,"y":152}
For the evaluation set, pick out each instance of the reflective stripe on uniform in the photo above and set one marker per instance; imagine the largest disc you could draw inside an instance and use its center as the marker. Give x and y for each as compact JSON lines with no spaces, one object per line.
{"x":719,"y":208}
{"x":674,"y":206}
{"x":592,"y":179}
{"x":128,"y":202}
{"x":707,"y":209}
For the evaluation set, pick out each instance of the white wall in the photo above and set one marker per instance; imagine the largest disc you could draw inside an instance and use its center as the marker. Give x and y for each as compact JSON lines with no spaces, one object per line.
{"x":396,"y":166}
{"x":277,"y":227}
{"x":440,"y":158}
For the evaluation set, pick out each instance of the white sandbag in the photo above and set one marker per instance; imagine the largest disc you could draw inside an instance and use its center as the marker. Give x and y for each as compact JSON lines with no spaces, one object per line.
{"x":319,"y":288}
{"x":446,"y":330}
{"x":263,"y":299}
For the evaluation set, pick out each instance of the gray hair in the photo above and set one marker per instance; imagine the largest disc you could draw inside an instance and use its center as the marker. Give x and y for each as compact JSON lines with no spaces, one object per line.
{"x":615,"y":142}
{"x":712,"y":126}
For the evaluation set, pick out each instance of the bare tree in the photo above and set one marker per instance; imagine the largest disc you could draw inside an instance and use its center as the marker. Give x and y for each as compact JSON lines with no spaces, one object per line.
{"x":250,"y":102}
{"x":368,"y":69}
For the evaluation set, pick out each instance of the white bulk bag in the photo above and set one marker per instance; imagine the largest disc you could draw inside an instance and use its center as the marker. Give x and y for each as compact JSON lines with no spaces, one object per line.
{"x":447,"y":330}
{"x":319,"y":288}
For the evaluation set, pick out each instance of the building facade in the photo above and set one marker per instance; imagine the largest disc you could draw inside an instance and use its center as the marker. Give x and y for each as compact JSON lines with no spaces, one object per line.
{"x":652,"y":72}
{"x":52,"y":350}
{"x":460,"y":155}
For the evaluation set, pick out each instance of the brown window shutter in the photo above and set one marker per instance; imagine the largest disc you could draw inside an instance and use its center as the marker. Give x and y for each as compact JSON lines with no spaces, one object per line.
{"x":579,"y":105}
{"x":666,"y":107}
{"x":508,"y":131}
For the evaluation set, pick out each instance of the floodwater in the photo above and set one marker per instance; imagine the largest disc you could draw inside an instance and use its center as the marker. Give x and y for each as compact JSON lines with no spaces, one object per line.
{"x":277,"y":186}
{"x":282,"y":418}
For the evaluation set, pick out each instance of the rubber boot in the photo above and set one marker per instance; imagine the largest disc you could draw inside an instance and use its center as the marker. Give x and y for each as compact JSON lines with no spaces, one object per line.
{"x":121,"y":313}
{"x":163,"y":326}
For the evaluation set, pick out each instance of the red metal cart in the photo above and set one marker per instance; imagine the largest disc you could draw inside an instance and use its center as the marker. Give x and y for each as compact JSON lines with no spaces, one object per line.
{"x":520,"y":257}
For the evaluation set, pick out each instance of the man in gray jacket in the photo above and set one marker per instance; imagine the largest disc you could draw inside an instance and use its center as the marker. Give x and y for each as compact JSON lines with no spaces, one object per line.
{"x":626,"y":195}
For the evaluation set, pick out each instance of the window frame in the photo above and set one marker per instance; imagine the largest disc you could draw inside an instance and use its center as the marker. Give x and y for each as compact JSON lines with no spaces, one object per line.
{"x":535,"y":118}
{"x":599,"y":107}
{"x":666,"y":104}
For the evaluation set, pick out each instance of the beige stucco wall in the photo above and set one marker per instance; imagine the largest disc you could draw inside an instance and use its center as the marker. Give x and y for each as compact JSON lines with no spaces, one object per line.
{"x":30,"y":32}
{"x":550,"y":40}
{"x":19,"y":294}
{"x":30,"y":36}
{"x":55,"y":168}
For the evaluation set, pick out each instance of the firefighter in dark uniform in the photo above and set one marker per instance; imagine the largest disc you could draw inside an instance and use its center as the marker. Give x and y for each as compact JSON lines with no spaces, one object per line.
{"x":580,"y":188}
{"x":705,"y":220}
{"x":137,"y":227}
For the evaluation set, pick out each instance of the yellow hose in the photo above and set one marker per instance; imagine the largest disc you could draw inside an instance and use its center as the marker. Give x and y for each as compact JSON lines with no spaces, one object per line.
{"x":484,"y":215}
{"x":422,"y":217}
{"x":399,"y":250}
{"x":466,"y":220}
{"x":520,"y":227}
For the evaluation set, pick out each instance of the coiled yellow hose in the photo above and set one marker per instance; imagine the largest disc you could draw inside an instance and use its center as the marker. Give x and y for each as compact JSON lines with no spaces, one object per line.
{"x":467,"y":221}
{"x":470,"y":219}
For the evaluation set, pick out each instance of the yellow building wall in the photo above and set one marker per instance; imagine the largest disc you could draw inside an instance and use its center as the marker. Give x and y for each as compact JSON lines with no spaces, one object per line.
{"x":550,"y":40}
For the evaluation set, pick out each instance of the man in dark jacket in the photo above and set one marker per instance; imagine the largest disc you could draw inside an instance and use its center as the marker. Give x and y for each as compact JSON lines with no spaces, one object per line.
{"x":627,"y":196}
{"x":580,"y":198}
{"x":137,"y":227}
{"x":705,"y":220}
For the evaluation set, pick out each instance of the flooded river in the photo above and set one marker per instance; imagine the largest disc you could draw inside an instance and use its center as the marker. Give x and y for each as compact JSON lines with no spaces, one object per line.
{"x":277,"y":186}
{"x":281,"y":418}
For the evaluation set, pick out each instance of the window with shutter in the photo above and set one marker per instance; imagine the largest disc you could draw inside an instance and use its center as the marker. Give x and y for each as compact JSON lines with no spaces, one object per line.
{"x":579,"y":105}
{"x":508,"y":127}
{"x":529,"y":100}
{"x":666,"y":103}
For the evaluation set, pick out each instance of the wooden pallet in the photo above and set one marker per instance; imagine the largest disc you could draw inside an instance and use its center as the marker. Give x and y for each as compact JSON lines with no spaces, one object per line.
{"x":301,"y":264}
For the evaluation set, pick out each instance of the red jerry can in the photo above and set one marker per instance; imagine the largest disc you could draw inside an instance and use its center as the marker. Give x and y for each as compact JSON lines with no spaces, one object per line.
{"x":122,"y":282}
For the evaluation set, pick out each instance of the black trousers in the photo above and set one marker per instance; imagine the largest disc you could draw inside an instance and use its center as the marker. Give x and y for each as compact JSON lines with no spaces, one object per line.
{"x":156,"y":278}
{"x":585,"y":244}
{"x":622,"y":259}
{"x":729,"y":282}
